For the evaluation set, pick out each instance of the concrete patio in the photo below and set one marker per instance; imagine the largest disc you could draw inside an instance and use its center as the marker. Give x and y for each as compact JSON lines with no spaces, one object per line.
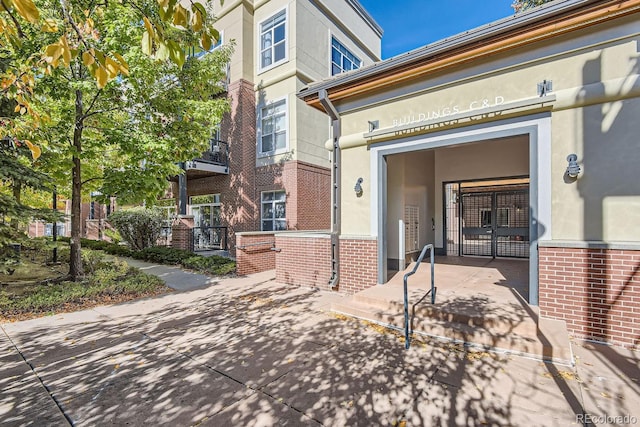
{"x":479,"y":301}
{"x":249,"y":351}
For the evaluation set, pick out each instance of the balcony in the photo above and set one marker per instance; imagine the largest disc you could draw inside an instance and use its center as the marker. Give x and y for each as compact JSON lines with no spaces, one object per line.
{"x":215,"y":161}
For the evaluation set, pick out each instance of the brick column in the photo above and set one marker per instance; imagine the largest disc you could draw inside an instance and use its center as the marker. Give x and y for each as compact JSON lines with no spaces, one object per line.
{"x":182,"y":233}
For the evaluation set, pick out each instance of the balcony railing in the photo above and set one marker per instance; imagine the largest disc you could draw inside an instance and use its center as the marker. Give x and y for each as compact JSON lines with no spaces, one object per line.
{"x":216,"y":159}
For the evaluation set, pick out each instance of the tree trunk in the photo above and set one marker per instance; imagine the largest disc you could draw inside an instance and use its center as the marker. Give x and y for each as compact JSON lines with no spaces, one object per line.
{"x":76,"y":272}
{"x":17,"y":190}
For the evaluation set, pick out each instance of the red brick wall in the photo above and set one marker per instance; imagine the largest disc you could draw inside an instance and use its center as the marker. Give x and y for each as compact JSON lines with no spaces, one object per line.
{"x":182,"y":233}
{"x":358,"y":265}
{"x":304,"y":260}
{"x":254,"y":253}
{"x":596,"y":291}
{"x":307,"y":186}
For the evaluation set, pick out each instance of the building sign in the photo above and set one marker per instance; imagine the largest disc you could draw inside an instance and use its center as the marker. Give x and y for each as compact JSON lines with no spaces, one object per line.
{"x":445,"y":112}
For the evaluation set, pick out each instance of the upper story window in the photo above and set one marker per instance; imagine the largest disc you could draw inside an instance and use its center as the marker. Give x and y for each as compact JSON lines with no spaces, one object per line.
{"x":273,"y":40}
{"x":342,"y":59}
{"x":272,"y":132}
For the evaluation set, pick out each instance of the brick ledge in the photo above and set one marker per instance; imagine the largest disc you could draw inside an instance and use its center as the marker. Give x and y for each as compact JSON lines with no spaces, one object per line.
{"x":590,"y":244}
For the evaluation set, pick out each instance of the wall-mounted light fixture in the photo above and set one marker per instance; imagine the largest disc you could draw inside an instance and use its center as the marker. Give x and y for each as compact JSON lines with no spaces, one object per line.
{"x":545,"y":87}
{"x":373,"y":125}
{"x":358,"y":187}
{"x":573,"y":168}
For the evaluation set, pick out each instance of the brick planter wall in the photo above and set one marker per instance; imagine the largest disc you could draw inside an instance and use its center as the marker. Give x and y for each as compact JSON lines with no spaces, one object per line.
{"x":253,"y":252}
{"x":358,"y":264}
{"x":304,"y":260}
{"x":182,"y":233}
{"x":595,"y":290}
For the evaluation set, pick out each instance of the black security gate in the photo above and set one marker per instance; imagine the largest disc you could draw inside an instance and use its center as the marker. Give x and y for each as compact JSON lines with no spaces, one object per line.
{"x":495,"y":223}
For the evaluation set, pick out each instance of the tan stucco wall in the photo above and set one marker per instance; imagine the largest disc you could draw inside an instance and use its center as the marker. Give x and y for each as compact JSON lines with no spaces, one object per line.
{"x":410,"y":181}
{"x":604,"y":203}
{"x":308,"y":56}
{"x":595,"y":78}
{"x":355,"y":210}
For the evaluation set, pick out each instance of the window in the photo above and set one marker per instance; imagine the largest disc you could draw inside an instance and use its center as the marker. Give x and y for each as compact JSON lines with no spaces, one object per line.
{"x":341,"y":59}
{"x":274,"y":211}
{"x":48,"y":229}
{"x":502,"y":217}
{"x":273,"y":40}
{"x":205,"y":210}
{"x":272,"y":132}
{"x":485,"y":218}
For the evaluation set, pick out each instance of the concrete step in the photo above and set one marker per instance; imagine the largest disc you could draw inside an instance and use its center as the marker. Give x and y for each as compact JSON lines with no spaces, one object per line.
{"x":549,"y":341}
{"x":495,"y":318}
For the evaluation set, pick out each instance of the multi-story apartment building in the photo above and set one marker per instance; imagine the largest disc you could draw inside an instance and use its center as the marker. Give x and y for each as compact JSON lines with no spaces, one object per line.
{"x":267,"y":168}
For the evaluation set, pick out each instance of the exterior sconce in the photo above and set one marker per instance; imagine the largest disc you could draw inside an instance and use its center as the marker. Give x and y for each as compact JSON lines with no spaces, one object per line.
{"x":358,"y":187}
{"x":373,"y":125}
{"x":573,"y":169}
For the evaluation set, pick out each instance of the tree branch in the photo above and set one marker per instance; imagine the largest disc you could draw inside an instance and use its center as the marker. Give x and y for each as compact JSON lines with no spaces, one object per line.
{"x":93,"y":101}
{"x":13,"y":18}
{"x":95,"y":178}
{"x":73,"y":24}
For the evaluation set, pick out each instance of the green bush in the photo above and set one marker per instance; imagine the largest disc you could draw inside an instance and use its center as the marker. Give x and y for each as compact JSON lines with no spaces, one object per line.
{"x":213,"y":265}
{"x":139,"y":227}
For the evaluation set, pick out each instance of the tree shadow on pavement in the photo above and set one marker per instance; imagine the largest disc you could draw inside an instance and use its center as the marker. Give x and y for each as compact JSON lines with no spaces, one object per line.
{"x":271,"y":355}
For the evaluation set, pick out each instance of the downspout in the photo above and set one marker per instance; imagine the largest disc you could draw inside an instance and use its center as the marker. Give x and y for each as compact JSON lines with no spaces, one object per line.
{"x":335,"y":188}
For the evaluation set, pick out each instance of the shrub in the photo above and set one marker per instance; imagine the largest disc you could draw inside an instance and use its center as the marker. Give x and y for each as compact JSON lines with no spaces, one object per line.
{"x":139,"y":227}
{"x":110,"y":281}
{"x":163,"y":255}
{"x":213,"y":265}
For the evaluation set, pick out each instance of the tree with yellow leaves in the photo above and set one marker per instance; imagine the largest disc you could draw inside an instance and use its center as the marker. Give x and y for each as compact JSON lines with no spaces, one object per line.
{"x":107,"y":95}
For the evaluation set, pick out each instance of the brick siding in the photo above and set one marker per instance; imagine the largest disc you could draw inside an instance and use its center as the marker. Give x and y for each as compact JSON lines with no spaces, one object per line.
{"x":307,"y":186}
{"x":303,"y":260}
{"x":358,"y":265}
{"x":596,"y":291}
{"x":182,"y":234}
{"x":254,"y":253}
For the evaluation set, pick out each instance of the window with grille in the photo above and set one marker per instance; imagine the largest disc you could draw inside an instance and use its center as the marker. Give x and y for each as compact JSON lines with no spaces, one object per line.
{"x":273,"y":40}
{"x":273,"y":127}
{"x":342,"y":59}
{"x":273,"y":211}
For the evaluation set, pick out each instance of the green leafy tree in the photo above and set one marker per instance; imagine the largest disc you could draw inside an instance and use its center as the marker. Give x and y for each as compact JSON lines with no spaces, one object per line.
{"x":139,"y":227}
{"x":521,"y":5}
{"x":16,"y":175}
{"x":122,"y":133}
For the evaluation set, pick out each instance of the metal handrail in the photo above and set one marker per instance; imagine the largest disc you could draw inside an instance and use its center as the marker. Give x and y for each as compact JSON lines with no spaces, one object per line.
{"x":432,"y":291}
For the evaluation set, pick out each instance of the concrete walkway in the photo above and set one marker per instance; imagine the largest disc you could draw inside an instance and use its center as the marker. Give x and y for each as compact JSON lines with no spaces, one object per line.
{"x":248,"y":351}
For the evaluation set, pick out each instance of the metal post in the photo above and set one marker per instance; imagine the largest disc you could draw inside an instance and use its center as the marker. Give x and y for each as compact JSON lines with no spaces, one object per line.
{"x":182,"y":190}
{"x":55,"y":225}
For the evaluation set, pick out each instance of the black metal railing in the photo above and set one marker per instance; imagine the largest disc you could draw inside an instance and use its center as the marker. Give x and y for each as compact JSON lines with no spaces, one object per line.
{"x":431,"y":291}
{"x":210,"y":238}
{"x":218,"y":153}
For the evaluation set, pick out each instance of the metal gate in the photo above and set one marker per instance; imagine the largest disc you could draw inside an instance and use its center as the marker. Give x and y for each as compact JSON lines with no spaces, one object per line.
{"x":496,"y":223}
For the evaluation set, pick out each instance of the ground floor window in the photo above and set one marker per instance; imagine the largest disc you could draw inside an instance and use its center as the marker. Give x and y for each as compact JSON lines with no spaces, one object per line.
{"x":273,"y":211}
{"x":208,"y":232}
{"x":205,"y":210}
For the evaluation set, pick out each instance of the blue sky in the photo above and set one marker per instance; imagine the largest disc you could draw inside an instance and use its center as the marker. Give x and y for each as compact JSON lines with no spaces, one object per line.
{"x":409,"y":24}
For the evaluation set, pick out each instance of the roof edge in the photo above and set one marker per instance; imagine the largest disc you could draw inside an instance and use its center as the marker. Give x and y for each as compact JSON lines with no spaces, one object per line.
{"x":508,"y":27}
